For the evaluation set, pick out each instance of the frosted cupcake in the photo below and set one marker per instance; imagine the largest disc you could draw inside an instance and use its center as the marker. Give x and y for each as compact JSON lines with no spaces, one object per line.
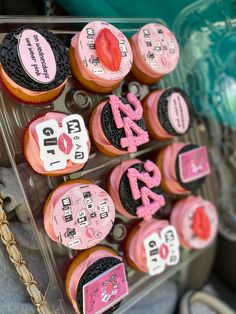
{"x":135,"y":188}
{"x":100,"y":56}
{"x":117,"y":126}
{"x":152,"y":246}
{"x":56,"y":144}
{"x":196,"y":222}
{"x":96,"y":281}
{"x":184,"y":167}
{"x":155,"y":52}
{"x":78,"y":214}
{"x":34,"y":65}
{"x":168,"y":113}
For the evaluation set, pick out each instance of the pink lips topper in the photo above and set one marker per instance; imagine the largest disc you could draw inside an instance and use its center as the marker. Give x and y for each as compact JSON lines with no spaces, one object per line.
{"x":164,"y":251}
{"x":65,"y":143}
{"x":106,"y":42}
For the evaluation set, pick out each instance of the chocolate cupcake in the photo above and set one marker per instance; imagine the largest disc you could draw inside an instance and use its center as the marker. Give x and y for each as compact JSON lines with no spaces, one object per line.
{"x":135,"y":189}
{"x":96,"y":281}
{"x":117,"y":125}
{"x":168,"y":113}
{"x":184,"y":167}
{"x":34,"y":65}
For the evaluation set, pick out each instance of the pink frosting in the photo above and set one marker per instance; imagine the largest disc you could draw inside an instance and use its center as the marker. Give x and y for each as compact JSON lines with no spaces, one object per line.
{"x":95,"y":229}
{"x":32,"y":150}
{"x":146,"y":210}
{"x":25,"y":90}
{"x":164,"y":61}
{"x":79,"y":271}
{"x":98,"y":134}
{"x":136,"y":244}
{"x":169,"y":169}
{"x":152,"y":116}
{"x":182,"y":218}
{"x":83,"y":55}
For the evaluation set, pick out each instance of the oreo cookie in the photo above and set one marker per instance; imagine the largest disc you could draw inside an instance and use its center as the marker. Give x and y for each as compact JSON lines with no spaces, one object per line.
{"x":112,"y":133}
{"x":125,"y":194}
{"x":34,"y":58}
{"x":163,"y":111}
{"x":190,"y":186}
{"x":95,"y":270}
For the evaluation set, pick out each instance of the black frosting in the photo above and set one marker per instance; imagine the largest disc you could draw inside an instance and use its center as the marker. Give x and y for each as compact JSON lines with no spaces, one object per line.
{"x":125,"y":194}
{"x":96,"y":269}
{"x":190,"y":186}
{"x":109,"y":128}
{"x":12,"y":66}
{"x":162,"y":110}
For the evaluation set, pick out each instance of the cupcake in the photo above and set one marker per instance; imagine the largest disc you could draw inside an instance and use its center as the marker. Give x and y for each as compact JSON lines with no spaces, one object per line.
{"x":56,"y":143}
{"x":78,"y":214}
{"x":168,"y":113}
{"x":96,"y":281}
{"x":34,"y":65}
{"x":196,"y":222}
{"x":117,"y":125}
{"x":183,"y":166}
{"x":135,"y":188}
{"x":152,"y":246}
{"x":100,"y":56}
{"x":155,"y":51}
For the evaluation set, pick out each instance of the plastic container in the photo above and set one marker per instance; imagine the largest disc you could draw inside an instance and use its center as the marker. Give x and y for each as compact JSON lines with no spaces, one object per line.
{"x":192,"y":75}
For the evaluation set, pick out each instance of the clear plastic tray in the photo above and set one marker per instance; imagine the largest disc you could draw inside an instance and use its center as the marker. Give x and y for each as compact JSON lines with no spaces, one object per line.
{"x":14,"y":117}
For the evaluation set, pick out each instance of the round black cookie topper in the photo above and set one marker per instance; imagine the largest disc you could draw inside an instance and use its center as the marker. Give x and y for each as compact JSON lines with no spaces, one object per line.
{"x":96,"y":269}
{"x":34,"y":58}
{"x":125,"y":193}
{"x":112,"y":133}
{"x":175,"y":111}
{"x":193,"y":185}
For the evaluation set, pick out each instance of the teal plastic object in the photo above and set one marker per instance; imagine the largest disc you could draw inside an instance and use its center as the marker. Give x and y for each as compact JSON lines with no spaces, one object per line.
{"x":206,"y":31}
{"x":165,"y":10}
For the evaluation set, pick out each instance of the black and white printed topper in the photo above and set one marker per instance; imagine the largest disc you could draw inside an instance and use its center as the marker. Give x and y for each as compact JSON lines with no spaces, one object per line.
{"x":58,"y":144}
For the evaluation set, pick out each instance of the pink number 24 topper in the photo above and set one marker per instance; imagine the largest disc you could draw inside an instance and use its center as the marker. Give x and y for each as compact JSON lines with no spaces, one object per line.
{"x":151,"y":201}
{"x":131,"y":141}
